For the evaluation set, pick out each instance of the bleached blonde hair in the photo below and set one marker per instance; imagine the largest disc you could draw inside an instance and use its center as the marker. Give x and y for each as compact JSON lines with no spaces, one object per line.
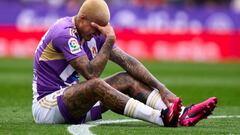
{"x":95,"y":11}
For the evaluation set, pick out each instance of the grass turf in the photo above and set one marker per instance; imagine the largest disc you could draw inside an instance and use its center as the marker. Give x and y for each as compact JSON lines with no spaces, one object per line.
{"x":193,"y":82}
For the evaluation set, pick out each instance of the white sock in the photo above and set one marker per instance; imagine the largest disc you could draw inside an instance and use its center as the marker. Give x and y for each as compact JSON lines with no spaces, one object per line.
{"x":155,"y":101}
{"x":138,"y":110}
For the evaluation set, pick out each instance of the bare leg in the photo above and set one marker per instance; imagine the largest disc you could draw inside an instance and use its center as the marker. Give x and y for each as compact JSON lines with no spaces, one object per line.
{"x":128,"y":85}
{"x":136,"y":89}
{"x":80,"y":98}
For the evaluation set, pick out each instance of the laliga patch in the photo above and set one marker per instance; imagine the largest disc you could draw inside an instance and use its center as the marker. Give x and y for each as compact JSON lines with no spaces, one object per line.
{"x":74,"y":46}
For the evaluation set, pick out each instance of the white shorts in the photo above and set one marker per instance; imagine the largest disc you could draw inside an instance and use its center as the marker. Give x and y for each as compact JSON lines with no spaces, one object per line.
{"x":52,"y":110}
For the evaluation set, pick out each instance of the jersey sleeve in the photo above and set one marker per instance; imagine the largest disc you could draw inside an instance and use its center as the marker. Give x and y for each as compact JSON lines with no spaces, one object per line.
{"x":69,"y":46}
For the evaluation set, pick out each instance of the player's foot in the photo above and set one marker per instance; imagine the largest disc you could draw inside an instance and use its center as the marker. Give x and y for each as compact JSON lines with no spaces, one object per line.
{"x":194,"y":113}
{"x":171,"y":114}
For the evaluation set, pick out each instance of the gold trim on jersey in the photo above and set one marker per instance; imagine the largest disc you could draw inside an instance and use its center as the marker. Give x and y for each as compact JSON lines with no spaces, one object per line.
{"x":50,"y":53}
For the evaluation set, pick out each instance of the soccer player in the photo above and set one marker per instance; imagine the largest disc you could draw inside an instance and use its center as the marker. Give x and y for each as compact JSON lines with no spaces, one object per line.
{"x":81,"y":46}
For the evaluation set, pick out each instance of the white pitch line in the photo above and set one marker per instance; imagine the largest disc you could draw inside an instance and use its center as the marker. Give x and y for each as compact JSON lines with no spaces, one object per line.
{"x":83,"y":129}
{"x":114,"y":121}
{"x":224,"y":116}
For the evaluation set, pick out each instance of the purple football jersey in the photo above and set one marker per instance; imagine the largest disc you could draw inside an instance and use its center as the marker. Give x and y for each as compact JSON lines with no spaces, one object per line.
{"x":59,"y":45}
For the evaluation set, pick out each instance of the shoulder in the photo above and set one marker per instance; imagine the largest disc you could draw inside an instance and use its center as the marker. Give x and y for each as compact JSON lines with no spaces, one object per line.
{"x":64,"y":27}
{"x":64,"y":32}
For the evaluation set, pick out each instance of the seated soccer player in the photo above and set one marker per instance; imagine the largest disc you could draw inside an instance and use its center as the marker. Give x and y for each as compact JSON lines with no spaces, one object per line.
{"x":81,"y":46}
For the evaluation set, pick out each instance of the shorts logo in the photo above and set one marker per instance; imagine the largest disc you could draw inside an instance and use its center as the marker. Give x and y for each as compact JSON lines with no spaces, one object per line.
{"x":74,"y":46}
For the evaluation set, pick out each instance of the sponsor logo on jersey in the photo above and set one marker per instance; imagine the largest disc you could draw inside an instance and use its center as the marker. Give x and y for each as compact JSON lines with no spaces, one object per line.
{"x":74,"y":46}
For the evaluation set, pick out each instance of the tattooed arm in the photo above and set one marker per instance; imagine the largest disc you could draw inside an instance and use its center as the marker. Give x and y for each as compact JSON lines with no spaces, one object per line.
{"x":94,"y":68}
{"x":138,"y":71}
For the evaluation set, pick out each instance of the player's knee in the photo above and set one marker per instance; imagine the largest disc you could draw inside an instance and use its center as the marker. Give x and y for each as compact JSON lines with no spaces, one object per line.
{"x":97,"y":86}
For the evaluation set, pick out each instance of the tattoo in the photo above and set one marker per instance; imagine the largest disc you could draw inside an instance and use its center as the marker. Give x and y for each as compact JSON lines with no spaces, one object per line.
{"x":112,"y":98}
{"x":80,"y":98}
{"x":135,"y":68}
{"x":94,"y":68}
{"x":120,"y":81}
{"x":128,"y":85}
{"x":98,"y":64}
{"x":77,"y":100}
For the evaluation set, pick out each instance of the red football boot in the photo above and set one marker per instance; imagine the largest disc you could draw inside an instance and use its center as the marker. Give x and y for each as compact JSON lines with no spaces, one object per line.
{"x":171,"y":114}
{"x":194,"y":113}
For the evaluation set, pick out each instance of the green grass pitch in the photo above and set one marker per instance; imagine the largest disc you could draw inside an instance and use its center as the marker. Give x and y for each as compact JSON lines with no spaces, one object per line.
{"x":192,"y":82}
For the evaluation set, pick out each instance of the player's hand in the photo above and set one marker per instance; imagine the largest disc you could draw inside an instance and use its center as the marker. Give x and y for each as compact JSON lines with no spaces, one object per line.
{"x":167,"y":97}
{"x":107,"y":30}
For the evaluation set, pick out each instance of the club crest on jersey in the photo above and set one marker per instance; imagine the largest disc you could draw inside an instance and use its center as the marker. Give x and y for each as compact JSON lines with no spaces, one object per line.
{"x":94,"y":51}
{"x":74,"y":46}
{"x":92,"y":47}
